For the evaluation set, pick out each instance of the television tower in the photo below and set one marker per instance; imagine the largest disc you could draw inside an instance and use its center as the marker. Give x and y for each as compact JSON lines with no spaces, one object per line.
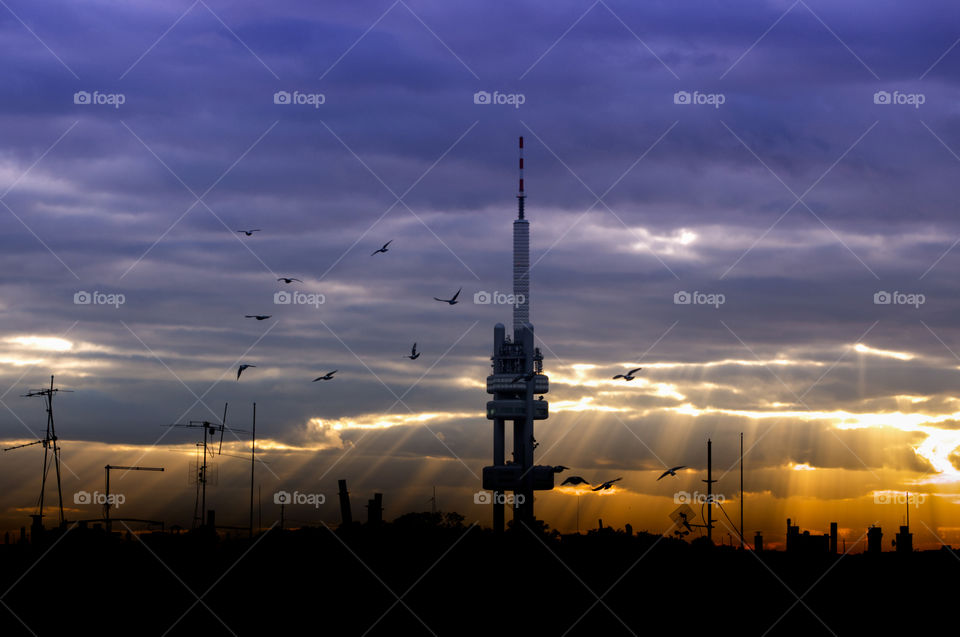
{"x":517,"y":376}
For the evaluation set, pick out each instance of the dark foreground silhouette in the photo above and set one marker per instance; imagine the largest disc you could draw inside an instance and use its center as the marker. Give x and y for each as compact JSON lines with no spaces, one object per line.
{"x":452,"y":578}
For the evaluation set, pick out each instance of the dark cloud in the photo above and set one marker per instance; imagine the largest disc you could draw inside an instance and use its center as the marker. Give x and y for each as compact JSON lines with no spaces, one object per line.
{"x":695,"y":203}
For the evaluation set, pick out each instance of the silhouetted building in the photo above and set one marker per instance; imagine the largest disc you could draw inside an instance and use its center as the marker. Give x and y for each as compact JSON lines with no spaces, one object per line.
{"x":874,"y":539}
{"x":758,"y":542}
{"x":346,"y":515}
{"x":36,"y":528}
{"x":904,"y":541}
{"x":798,"y":542}
{"x":833,"y":538}
{"x":375,"y":510}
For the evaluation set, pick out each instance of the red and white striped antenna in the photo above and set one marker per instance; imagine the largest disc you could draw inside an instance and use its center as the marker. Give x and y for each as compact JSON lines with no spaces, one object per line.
{"x":520,"y":194}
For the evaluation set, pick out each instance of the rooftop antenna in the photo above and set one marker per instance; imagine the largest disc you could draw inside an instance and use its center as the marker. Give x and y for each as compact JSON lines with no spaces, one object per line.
{"x":710,"y":482}
{"x":908,"y":509}
{"x":49,"y":442}
{"x":253,"y":458}
{"x":210,"y":431}
{"x":433,"y":501}
{"x":741,"y":490}
{"x":107,"y":503}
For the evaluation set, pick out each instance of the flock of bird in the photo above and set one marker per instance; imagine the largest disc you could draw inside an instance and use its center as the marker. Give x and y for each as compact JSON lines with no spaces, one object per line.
{"x":413,"y":355}
{"x":603,"y":486}
{"x":575,"y":480}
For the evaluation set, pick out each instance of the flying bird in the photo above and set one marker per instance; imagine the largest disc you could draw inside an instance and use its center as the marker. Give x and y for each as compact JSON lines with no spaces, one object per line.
{"x":452,"y":301}
{"x":524,"y":377}
{"x":327,"y":376}
{"x":629,"y":375}
{"x":289,"y":279}
{"x":414,"y":354}
{"x":606,"y":485}
{"x":574,"y":480}
{"x":559,"y":468}
{"x":249,"y":233}
{"x":259,"y":317}
{"x":243,"y":367}
{"x":672,"y":472}
{"x":383,"y":249}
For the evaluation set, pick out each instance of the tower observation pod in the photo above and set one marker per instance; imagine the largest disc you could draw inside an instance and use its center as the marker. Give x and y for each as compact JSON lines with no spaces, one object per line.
{"x":516,"y":379}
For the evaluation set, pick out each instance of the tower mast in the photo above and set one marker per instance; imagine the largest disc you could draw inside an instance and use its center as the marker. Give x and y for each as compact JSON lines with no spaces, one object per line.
{"x":517,"y":377}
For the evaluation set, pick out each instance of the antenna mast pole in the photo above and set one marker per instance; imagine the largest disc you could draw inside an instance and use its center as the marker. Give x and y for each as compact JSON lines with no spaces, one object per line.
{"x":253,"y":457}
{"x":741,"y":490}
{"x":710,"y":482}
{"x":50,"y":442}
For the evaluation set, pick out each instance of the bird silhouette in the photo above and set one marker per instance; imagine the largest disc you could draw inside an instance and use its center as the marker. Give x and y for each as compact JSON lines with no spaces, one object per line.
{"x":327,"y":376}
{"x":383,"y":249}
{"x":606,"y":485}
{"x":629,"y":375}
{"x":524,"y":377}
{"x":249,"y":233}
{"x":259,"y":317}
{"x":559,"y":468}
{"x":289,"y":279}
{"x":574,"y":480}
{"x":452,"y":301}
{"x":672,"y":472}
{"x":414,"y":354}
{"x":243,"y":367}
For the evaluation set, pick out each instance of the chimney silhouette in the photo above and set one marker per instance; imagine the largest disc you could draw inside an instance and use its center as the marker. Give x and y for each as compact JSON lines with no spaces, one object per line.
{"x":346,"y":515}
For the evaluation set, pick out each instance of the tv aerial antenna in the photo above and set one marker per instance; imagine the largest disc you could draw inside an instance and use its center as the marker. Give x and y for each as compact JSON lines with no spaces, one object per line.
{"x":51,"y":448}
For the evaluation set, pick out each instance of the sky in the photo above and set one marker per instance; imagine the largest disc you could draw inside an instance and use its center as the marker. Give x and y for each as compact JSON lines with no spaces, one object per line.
{"x":787,"y":168}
